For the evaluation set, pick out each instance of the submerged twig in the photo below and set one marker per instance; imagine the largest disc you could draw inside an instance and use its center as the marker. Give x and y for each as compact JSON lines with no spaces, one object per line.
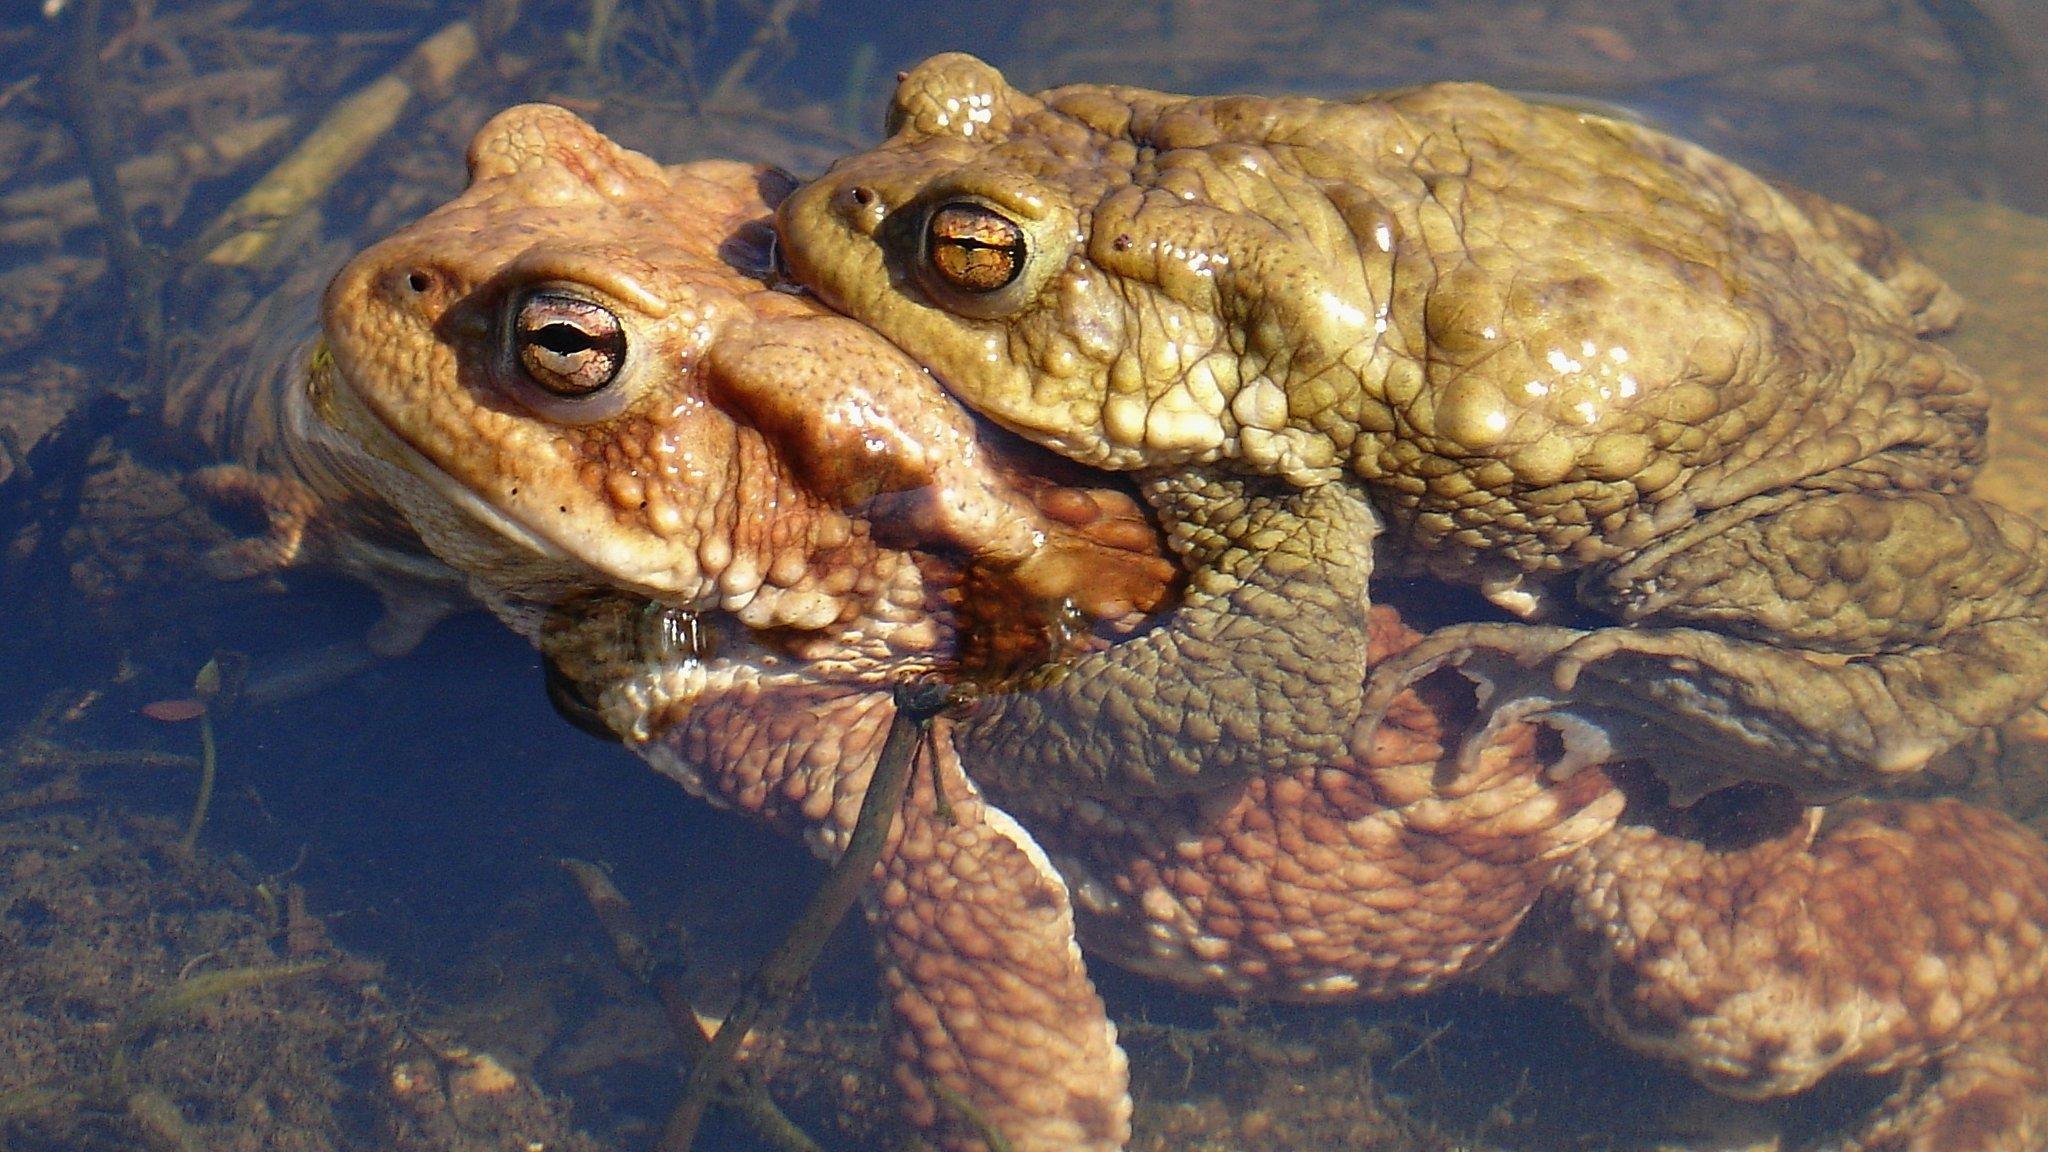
{"x":35,"y":747}
{"x":142,"y":272}
{"x":773,"y":27}
{"x":57,"y":756}
{"x":46,"y":212}
{"x":777,"y":980}
{"x":244,"y":232}
{"x":629,"y":944}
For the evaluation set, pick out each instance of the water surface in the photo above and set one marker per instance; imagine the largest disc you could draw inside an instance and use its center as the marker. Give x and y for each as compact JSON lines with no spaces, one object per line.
{"x":418,"y":805}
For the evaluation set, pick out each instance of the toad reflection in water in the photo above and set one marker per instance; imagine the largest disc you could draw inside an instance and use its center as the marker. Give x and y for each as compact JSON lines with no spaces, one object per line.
{"x":572,"y":386}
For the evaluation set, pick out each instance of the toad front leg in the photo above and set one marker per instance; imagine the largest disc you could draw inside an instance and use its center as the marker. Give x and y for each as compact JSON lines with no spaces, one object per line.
{"x":1260,"y":669}
{"x":1825,"y":641}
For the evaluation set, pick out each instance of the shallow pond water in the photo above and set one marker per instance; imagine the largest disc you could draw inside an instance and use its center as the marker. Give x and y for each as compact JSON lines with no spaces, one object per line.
{"x":399,"y":821}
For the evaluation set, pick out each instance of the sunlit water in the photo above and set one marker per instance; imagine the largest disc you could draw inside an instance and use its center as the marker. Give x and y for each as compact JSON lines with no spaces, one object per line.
{"x":422,"y":802}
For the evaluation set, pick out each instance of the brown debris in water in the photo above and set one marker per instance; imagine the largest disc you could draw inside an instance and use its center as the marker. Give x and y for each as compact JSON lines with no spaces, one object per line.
{"x":146,"y":1002}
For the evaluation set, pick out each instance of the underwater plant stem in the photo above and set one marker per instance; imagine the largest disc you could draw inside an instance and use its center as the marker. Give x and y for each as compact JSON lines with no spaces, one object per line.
{"x":599,"y":30}
{"x":776,"y":981}
{"x":1998,"y":77}
{"x":208,"y":761}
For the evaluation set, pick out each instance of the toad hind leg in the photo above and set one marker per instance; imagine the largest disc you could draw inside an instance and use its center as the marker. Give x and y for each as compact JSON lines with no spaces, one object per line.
{"x":1872,"y":629}
{"x":996,"y":1022}
{"x":1260,"y":669}
{"x":1907,"y":936}
{"x":1831,"y":641}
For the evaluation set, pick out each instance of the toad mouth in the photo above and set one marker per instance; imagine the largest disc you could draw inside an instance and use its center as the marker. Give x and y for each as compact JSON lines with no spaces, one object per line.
{"x":345,"y":419}
{"x":349,"y":422}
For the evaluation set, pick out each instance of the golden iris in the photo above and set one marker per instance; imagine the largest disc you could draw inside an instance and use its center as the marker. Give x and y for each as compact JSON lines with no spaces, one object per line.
{"x":974,"y":248}
{"x":567,"y":346}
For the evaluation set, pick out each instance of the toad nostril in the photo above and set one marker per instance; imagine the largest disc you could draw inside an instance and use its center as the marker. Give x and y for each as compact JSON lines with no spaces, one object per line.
{"x":860,"y":207}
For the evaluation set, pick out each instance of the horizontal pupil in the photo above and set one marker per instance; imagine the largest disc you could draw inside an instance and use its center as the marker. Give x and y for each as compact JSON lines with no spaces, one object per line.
{"x":1010,"y":246}
{"x":978,"y":265}
{"x":564,"y":338}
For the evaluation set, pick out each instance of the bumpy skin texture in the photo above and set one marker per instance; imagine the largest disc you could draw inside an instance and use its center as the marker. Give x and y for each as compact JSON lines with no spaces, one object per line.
{"x":759,"y":518}
{"x":1873,"y":940}
{"x":1382,"y":866}
{"x":1596,"y":372}
{"x":1373,"y":874}
{"x":1758,"y":944}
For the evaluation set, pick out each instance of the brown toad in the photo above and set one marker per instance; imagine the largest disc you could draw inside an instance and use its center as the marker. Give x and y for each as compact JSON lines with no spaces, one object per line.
{"x":1682,"y":423}
{"x":578,"y":390}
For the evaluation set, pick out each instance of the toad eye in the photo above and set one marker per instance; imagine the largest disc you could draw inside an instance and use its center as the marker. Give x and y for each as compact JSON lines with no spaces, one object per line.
{"x":972,"y":247}
{"x":567,"y":346}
